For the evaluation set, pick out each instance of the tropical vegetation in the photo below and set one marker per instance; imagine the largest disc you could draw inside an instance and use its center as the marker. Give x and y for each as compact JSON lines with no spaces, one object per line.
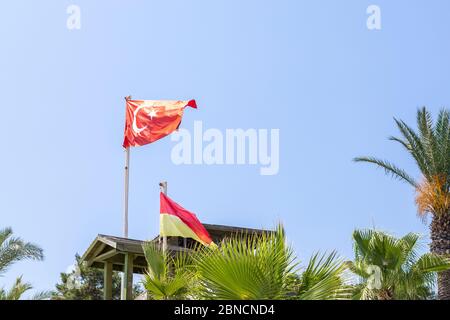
{"x":263,"y":266}
{"x":391,"y":268}
{"x":169,"y":276}
{"x":12,"y":250}
{"x":258,"y":267}
{"x":243,"y":267}
{"x":429,"y":146}
{"x":84,"y":283}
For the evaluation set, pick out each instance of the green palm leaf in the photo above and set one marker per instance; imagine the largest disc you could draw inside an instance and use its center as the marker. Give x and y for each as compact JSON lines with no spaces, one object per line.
{"x":16,"y":291}
{"x":13,"y":249}
{"x":247,"y":266}
{"x":404,"y":274}
{"x":323,"y":279}
{"x":389,"y":168}
{"x":168,"y":274}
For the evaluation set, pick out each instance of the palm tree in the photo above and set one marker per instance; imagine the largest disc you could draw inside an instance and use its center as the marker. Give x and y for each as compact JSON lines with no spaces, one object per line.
{"x":169,"y":276}
{"x":243,"y":267}
{"x":430,"y":148}
{"x":249,"y":267}
{"x":17,"y":290}
{"x":13,"y":249}
{"x":391,"y":269}
{"x":323,"y":279}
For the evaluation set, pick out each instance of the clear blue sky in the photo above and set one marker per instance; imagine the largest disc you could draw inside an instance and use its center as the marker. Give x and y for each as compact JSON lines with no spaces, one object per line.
{"x":310,"y":68}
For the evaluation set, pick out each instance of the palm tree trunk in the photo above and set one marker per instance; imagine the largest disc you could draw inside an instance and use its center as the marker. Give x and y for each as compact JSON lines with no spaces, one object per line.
{"x":440,"y":244}
{"x":385,"y":295}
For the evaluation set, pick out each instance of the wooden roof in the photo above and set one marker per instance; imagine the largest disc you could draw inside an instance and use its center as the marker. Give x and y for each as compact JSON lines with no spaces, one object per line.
{"x":107,"y":248}
{"x":217,"y":230}
{"x":232,"y":229}
{"x":113,"y":249}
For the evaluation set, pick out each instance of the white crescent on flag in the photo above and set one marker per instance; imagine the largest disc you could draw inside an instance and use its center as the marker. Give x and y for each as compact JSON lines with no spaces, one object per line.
{"x":135,"y":127}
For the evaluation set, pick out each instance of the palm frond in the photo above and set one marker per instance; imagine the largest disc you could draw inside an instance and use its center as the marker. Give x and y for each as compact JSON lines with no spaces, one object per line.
{"x":433,"y":145}
{"x":430,"y":148}
{"x":13,"y":249}
{"x":5,"y":234}
{"x":361,"y":241}
{"x":16,"y":291}
{"x":247,"y":266}
{"x":168,"y":276}
{"x":42,"y":295}
{"x":417,"y":147}
{"x":411,"y":244}
{"x":156,"y":260}
{"x":432,"y":196}
{"x":442,"y":132}
{"x":323,"y":279}
{"x":389,"y":168}
{"x":430,"y":262}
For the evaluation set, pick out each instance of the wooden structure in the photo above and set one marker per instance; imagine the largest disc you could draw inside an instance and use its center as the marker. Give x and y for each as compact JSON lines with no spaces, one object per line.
{"x":126,"y":255}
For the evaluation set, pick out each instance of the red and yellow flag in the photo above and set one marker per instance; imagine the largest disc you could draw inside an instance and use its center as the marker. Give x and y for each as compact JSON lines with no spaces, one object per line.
{"x":175,"y":221}
{"x":151,"y":120}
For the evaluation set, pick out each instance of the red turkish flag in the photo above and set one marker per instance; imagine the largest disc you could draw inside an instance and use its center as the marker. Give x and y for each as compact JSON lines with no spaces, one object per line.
{"x":151,"y":120}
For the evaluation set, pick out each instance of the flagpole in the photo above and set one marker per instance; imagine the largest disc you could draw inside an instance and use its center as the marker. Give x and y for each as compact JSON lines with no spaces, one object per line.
{"x":127,"y":180}
{"x":163,"y":187}
{"x":125,"y":210}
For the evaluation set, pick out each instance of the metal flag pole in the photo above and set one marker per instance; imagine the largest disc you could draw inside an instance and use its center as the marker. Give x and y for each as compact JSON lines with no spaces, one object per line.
{"x":125,"y":212}
{"x":163,"y":187}
{"x":127,"y":180}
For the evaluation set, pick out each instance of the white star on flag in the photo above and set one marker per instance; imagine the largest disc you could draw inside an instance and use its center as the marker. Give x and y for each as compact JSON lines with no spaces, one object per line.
{"x":152,"y":113}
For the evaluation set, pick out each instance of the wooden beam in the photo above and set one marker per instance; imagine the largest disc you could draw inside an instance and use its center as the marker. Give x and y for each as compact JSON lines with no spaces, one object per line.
{"x":119,"y":261}
{"x":107,"y":281}
{"x":130,"y":247}
{"x":107,"y":241}
{"x":127,"y":283}
{"x":97,"y":251}
{"x":105,"y":256}
{"x":88,"y":252}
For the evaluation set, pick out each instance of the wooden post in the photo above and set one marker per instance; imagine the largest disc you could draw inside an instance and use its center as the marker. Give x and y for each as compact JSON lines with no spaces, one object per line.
{"x":127,"y":284}
{"x":163,"y":187}
{"x":107,"y":280}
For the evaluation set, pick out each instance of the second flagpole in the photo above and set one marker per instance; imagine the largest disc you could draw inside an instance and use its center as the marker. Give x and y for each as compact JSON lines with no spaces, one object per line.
{"x":163,"y":187}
